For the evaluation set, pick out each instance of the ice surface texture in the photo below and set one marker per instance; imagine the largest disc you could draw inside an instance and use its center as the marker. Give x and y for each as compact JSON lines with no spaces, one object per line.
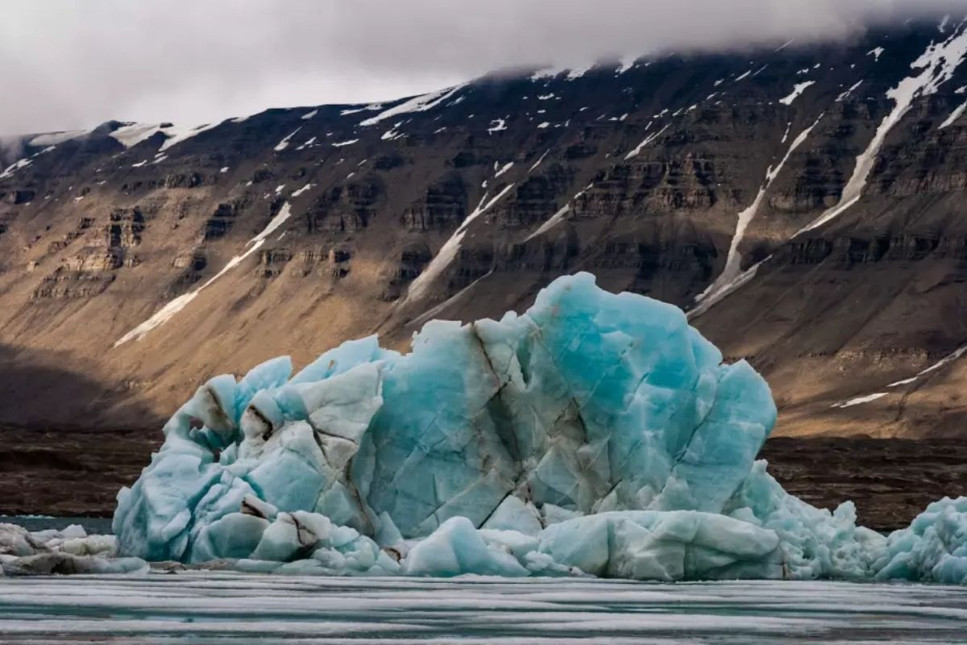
{"x":595,"y":434}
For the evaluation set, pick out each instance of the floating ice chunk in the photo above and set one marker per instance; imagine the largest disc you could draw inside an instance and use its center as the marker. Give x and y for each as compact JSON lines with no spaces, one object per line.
{"x":932,"y":549}
{"x":682,"y":545}
{"x":456,"y":548}
{"x":65,"y":564}
{"x":514,"y":514}
{"x":16,"y":540}
{"x":815,"y":543}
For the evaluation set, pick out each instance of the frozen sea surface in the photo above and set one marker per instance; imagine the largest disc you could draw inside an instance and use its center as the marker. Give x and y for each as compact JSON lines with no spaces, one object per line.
{"x":205,"y":608}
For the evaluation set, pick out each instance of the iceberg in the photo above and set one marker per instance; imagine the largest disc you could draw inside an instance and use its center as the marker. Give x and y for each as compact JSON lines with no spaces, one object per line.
{"x":596,"y":434}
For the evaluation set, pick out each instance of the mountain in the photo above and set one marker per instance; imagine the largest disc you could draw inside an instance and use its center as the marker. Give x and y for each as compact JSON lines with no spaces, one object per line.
{"x":803,"y":202}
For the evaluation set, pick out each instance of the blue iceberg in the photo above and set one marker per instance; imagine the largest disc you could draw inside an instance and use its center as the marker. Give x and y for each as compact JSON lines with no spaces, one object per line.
{"x":595,"y":434}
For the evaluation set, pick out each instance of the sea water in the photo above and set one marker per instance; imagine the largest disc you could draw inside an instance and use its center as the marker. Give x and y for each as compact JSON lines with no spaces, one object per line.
{"x":215,"y":607}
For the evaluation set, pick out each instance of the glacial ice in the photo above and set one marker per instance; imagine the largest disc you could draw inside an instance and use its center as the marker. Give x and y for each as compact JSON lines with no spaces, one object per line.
{"x":67,"y":551}
{"x":595,"y":434}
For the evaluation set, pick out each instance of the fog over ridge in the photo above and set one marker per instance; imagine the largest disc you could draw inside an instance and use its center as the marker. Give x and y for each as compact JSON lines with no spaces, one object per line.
{"x":76,"y":63}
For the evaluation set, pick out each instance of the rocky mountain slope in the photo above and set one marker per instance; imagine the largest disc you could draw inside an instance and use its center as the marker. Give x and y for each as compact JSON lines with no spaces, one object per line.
{"x":803,"y":202}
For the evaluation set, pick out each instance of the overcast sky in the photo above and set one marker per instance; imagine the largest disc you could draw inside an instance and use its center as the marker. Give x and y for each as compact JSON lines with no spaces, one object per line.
{"x":75,"y":63}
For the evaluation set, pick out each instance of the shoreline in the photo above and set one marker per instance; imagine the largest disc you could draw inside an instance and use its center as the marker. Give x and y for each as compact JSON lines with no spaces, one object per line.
{"x":61,"y":474}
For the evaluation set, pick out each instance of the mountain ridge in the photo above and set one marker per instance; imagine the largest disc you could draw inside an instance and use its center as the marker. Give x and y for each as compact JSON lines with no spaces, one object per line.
{"x":464,"y":202}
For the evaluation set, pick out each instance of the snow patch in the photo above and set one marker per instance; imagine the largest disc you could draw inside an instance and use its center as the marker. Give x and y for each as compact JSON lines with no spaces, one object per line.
{"x":933,"y":368}
{"x":301,"y":190}
{"x":367,"y":108}
{"x":732,"y":275}
{"x":56,"y":138}
{"x":307,"y":144}
{"x":648,"y":140}
{"x":167,"y":312}
{"x":343,"y":144}
{"x":556,"y":219}
{"x":626,"y":63}
{"x":954,"y":116}
{"x":178,"y":134}
{"x":14,"y":167}
{"x":860,"y":400}
{"x":282,"y":145}
{"x":306,"y":117}
{"x":497,"y":125}
{"x":131,"y":134}
{"x":797,"y":92}
{"x":845,"y":95}
{"x":876,"y":53}
{"x":547,"y":73}
{"x":938,"y":62}
{"x":578,"y":72}
{"x":539,"y":162}
{"x":421,"y":103}
{"x":449,"y":250}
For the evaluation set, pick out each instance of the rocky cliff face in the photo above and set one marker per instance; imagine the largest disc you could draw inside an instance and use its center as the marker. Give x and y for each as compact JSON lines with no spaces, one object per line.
{"x":804,"y":203}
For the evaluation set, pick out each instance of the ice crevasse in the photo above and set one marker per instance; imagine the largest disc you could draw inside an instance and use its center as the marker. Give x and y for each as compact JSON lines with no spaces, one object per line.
{"x":595,"y":434}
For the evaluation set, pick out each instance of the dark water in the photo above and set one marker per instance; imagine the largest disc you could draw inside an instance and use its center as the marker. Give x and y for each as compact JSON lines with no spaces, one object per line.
{"x":209,"y":608}
{"x":93,"y":525}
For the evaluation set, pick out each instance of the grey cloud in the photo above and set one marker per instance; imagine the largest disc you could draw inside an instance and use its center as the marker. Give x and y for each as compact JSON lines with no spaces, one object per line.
{"x":75,"y":63}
